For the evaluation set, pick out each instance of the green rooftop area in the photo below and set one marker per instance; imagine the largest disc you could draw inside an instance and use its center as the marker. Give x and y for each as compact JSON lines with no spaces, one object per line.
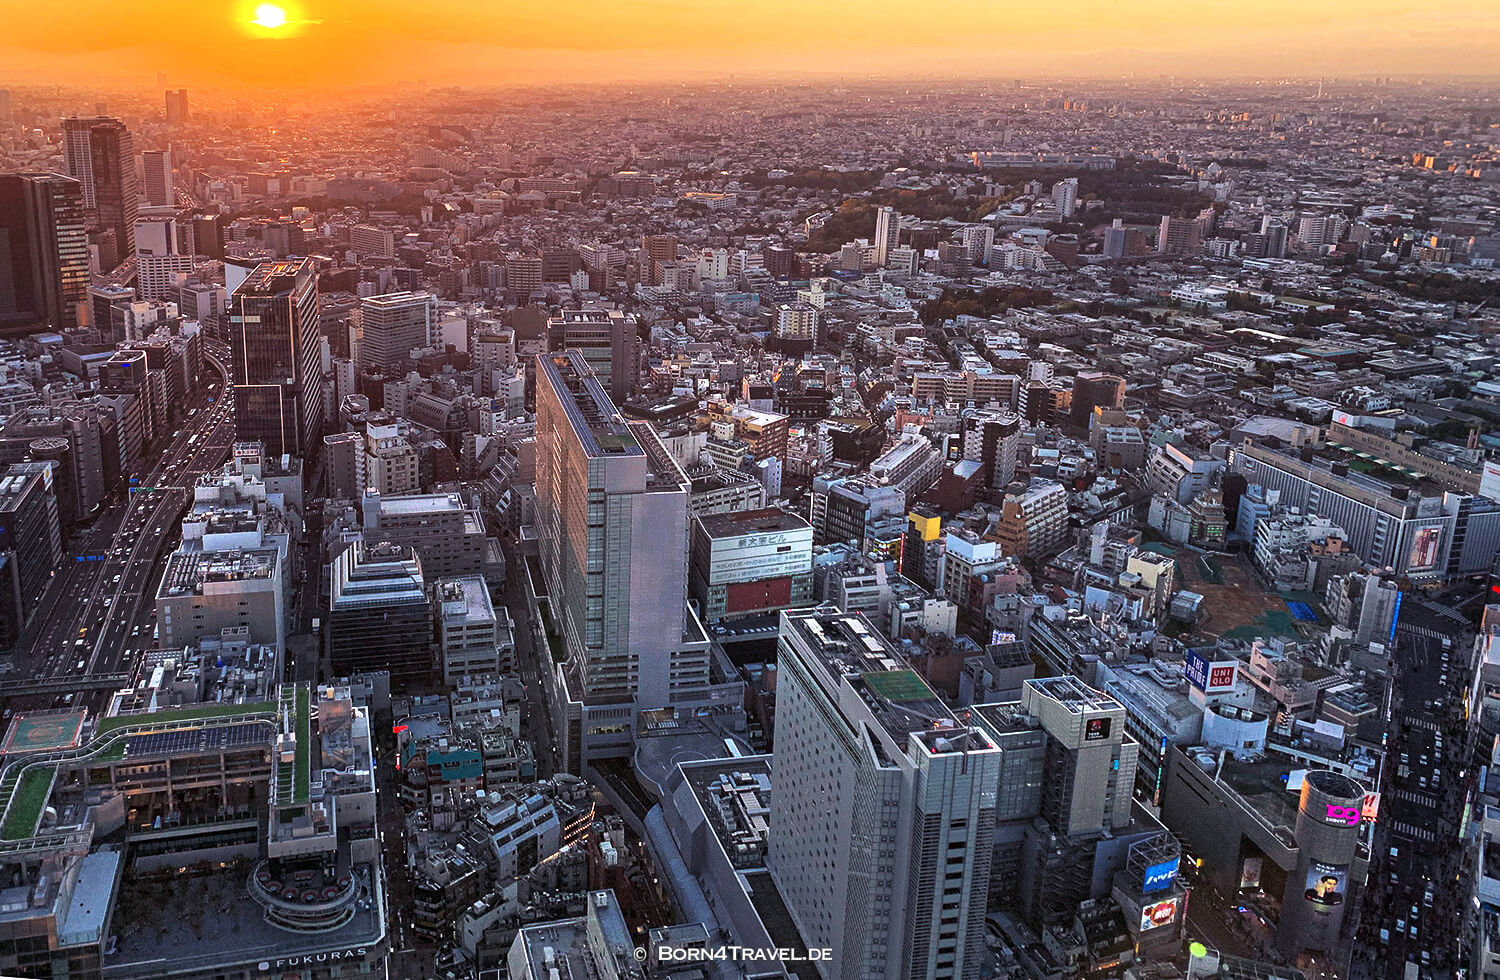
{"x":898,"y":686}
{"x":27,"y":802}
{"x":304,"y":745}
{"x":192,"y":713}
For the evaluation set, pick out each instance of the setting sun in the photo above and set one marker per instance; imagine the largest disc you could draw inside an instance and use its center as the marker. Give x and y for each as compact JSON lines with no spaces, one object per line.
{"x":270,"y":16}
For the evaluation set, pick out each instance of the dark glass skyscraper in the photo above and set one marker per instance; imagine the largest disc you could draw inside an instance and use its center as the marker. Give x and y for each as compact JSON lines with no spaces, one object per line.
{"x":273,"y":335}
{"x":44,"y":250}
{"x":100,"y":152}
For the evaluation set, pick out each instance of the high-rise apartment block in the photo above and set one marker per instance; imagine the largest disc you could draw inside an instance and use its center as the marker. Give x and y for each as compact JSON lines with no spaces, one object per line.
{"x":1065,"y":196}
{"x":656,"y":251}
{"x":993,"y":437}
{"x":276,"y":370}
{"x":1178,"y":235}
{"x":1034,"y":522}
{"x":163,"y":259}
{"x":373,"y":240}
{"x":887,"y":234}
{"x":1091,"y":390}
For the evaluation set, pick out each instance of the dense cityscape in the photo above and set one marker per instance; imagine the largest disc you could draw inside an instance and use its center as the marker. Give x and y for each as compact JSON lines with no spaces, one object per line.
{"x":730,"y":530}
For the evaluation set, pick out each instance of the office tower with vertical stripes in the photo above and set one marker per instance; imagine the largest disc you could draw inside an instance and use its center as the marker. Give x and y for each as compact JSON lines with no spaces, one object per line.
{"x":156,"y":166}
{"x":274,"y":340}
{"x":100,"y":153}
{"x":44,"y":251}
{"x":395,"y":324}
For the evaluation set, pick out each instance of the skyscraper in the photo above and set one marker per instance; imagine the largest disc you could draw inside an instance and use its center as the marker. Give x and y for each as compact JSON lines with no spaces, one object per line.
{"x":44,"y":250}
{"x":612,"y":515}
{"x":887,"y":234}
{"x":100,"y":152}
{"x":394,"y":325}
{"x":30,"y":542}
{"x":883,"y":815}
{"x":177,"y":106}
{"x":157,"y":166}
{"x":273,"y":336}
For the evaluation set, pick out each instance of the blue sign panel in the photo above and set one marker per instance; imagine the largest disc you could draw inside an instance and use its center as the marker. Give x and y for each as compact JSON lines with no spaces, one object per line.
{"x":1195,"y":668}
{"x":1159,"y":877}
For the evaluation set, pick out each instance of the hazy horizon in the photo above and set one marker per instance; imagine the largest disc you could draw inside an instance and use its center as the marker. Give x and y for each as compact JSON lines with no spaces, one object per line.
{"x":353,"y":43}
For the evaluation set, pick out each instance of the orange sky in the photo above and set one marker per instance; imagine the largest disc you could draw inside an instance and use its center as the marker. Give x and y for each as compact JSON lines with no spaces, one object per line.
{"x":476,"y":41}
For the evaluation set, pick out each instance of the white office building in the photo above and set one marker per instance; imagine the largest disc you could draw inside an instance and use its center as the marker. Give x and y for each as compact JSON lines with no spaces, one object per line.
{"x":884,"y":810}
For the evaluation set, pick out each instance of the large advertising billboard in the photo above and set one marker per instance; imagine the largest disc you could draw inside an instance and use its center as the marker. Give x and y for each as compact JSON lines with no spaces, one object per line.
{"x":1096,"y":729}
{"x":1158,"y":914}
{"x":1426,"y":549}
{"x":1325,"y":885}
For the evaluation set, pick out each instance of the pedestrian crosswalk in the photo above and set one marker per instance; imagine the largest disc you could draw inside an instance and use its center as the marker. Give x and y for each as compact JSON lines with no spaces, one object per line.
{"x":1419,"y":721}
{"x":1409,"y":832}
{"x":1421,"y":799}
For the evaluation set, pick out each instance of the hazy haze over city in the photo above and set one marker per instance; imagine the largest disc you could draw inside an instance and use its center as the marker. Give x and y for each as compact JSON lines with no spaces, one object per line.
{"x":343,"y":42}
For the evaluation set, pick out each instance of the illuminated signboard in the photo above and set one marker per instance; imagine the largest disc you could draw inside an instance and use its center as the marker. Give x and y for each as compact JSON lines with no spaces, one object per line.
{"x":1347,"y":816}
{"x":1159,"y":877}
{"x":1159,"y":914}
